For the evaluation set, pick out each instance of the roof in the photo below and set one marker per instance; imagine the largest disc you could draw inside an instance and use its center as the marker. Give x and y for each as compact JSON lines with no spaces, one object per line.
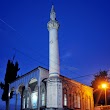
{"x":66,"y":78}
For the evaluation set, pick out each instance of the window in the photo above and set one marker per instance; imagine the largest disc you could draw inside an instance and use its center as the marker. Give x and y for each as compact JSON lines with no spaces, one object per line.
{"x":89,"y":103}
{"x":34,"y":99}
{"x":33,"y":85}
{"x":86,"y":102}
{"x":43,"y":96}
{"x":27,"y":102}
{"x":26,"y":99}
{"x":65,"y":97}
{"x":78,"y":101}
{"x":23,"y":103}
{"x":43,"y":103}
{"x":75,"y":100}
{"x":43,"y":99}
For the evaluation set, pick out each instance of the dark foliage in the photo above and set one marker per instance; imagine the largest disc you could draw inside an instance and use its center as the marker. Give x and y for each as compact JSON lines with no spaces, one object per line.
{"x":99,"y":93}
{"x":10,"y":76}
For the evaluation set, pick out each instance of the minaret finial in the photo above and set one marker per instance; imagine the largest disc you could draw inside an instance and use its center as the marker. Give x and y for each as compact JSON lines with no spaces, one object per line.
{"x":52,"y":9}
{"x":53,"y":23}
{"x":52,"y":13}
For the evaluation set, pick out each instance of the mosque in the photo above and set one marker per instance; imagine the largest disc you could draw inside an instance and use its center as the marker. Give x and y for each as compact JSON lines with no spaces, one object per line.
{"x":42,"y":89}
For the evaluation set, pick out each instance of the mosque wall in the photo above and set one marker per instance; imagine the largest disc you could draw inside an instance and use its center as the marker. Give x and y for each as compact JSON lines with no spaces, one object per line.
{"x":32,"y":88}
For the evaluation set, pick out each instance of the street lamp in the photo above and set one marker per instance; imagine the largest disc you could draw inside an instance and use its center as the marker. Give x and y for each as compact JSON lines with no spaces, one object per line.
{"x":104,"y":86}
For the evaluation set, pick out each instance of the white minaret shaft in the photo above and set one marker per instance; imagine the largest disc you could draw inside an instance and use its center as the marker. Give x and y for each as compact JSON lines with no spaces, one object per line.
{"x":54,"y":83}
{"x":53,"y":26}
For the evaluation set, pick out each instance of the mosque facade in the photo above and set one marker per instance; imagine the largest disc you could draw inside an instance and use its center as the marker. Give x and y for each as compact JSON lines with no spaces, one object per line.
{"x":42,"y":89}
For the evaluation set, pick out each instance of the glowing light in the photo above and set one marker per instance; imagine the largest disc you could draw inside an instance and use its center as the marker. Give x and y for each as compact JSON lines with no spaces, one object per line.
{"x":34,"y":98}
{"x":104,"y":86}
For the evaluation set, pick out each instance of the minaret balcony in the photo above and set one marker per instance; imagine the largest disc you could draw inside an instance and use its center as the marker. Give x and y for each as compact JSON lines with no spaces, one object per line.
{"x":53,"y":24}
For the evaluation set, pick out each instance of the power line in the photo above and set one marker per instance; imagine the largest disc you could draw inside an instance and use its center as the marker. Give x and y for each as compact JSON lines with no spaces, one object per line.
{"x":83,"y":76}
{"x":11,"y":28}
{"x":52,"y":67}
{"x":62,"y":66}
{"x":7,"y":25}
{"x":87,"y":75}
{"x":28,"y":56}
{"x":30,"y":48}
{"x":37,"y":51}
{"x":46,"y":65}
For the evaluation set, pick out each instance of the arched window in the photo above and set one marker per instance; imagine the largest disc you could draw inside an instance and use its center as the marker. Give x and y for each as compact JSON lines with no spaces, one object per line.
{"x":75,"y":100}
{"x":65,"y":97}
{"x":86,"y":102}
{"x":34,"y":98}
{"x":89,"y":103}
{"x":43,"y":95}
{"x":33,"y":84}
{"x":21,"y":99}
{"x":26,"y":99}
{"x":78,"y":101}
{"x":43,"y":98}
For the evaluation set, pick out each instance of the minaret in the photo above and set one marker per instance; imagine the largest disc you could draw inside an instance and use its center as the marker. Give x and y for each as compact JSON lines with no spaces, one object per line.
{"x":54,"y":84}
{"x":53,"y":26}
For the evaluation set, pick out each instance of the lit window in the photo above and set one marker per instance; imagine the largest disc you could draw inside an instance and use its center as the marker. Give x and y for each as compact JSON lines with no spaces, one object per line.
{"x":65,"y":99}
{"x":86,"y":102}
{"x":43,"y":99}
{"x":34,"y":99}
{"x":89,"y":103}
{"x":75,"y":100}
{"x":27,"y":102}
{"x":43,"y":94}
{"x":24,"y":99}
{"x":78,"y":101}
{"x":23,"y":103}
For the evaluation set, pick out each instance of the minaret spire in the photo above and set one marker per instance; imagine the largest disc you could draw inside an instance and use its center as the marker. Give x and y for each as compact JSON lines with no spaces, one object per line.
{"x":52,"y":14}
{"x":52,"y":9}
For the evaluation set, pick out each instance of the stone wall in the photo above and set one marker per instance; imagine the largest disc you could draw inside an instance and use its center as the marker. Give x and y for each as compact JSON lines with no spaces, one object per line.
{"x":79,"y":96}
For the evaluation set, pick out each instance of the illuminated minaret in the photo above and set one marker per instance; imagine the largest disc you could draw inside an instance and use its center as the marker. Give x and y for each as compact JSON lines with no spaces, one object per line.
{"x":54,"y":84}
{"x":53,"y":26}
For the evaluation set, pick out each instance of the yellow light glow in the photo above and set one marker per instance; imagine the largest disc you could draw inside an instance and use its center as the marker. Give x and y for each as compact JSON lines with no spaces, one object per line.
{"x":104,"y":86}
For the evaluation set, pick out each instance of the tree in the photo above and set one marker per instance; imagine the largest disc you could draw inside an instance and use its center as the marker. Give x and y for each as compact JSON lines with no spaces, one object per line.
{"x":10,"y":76}
{"x":99,"y":93}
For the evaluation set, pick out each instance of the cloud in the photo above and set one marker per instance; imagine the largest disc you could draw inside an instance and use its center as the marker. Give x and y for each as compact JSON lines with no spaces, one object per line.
{"x":70,"y":68}
{"x":67,"y":55}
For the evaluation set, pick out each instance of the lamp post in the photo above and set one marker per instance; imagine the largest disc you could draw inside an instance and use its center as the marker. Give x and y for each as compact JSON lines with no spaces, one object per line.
{"x":104,"y":86}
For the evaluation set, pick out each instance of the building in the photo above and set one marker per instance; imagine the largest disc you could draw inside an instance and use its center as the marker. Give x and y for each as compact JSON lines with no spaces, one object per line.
{"x":105,"y":107}
{"x":47,"y":89}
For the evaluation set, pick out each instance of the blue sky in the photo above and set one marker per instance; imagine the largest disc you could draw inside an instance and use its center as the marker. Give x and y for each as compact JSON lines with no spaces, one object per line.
{"x":84,"y":35}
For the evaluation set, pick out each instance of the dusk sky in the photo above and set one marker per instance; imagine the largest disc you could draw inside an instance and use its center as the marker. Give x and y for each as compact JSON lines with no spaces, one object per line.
{"x":84,"y":36}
